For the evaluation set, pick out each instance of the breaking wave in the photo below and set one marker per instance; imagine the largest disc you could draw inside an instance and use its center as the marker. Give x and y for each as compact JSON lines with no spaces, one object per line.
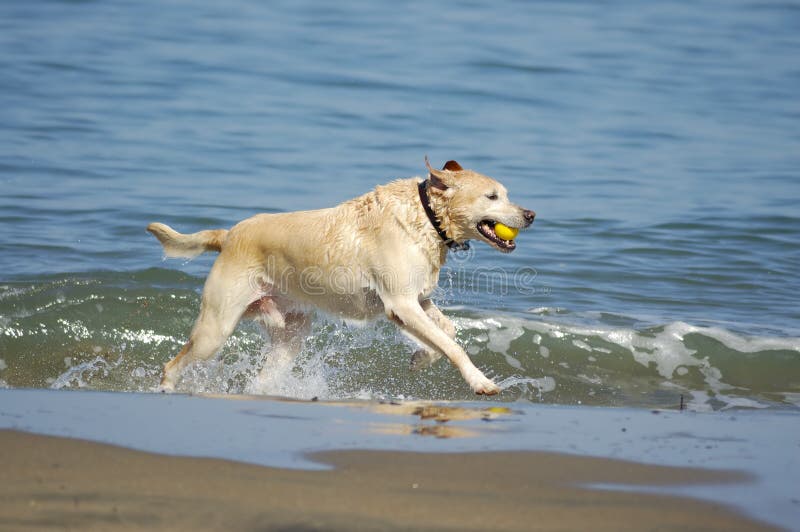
{"x":98,"y":335}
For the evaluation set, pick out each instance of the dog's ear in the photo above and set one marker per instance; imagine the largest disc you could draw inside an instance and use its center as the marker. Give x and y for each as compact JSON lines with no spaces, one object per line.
{"x":435,"y":176}
{"x":453,"y":166}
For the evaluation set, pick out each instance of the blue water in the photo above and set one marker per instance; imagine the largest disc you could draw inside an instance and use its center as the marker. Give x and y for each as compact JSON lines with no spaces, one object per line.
{"x":659,"y":144}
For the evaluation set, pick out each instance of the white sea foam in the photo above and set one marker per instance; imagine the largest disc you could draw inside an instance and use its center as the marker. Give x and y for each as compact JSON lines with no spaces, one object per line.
{"x":79,"y":375}
{"x":513,"y":362}
{"x":544,"y":351}
{"x":541,"y":385}
{"x":499,"y":334}
{"x":792,"y":398}
{"x":145,"y":336}
{"x":582,"y":345}
{"x":663,"y":349}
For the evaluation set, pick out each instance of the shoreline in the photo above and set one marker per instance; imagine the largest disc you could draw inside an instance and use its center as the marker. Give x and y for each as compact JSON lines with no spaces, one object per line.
{"x":53,"y":482}
{"x":753,"y":451}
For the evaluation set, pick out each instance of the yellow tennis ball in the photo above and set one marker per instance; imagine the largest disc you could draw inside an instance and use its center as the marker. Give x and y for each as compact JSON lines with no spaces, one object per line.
{"x":505,"y":232}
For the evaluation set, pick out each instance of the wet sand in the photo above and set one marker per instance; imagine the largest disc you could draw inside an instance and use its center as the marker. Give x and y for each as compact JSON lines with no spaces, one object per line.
{"x":54,"y":483}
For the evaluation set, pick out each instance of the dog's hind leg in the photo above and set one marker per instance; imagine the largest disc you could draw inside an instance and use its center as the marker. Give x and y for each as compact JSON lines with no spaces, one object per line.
{"x":266,"y":313}
{"x":287,"y":342}
{"x":424,"y":357}
{"x":226,"y":295}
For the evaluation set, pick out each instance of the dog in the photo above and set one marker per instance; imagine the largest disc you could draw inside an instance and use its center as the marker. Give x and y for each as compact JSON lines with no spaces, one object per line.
{"x":377,"y":254}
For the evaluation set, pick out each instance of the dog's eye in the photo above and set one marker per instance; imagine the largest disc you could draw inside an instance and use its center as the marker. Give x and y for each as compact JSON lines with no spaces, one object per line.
{"x":491,"y":196}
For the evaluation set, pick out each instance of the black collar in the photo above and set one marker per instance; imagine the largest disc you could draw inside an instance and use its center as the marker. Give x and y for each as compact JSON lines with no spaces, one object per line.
{"x":426,"y":204}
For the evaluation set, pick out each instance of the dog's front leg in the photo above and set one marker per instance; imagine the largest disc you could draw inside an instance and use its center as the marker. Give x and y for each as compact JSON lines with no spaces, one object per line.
{"x":410,"y":316}
{"x":424,"y":357}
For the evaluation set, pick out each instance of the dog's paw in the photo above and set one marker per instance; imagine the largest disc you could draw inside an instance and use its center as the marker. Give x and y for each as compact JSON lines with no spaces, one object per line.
{"x":423,"y":358}
{"x":484,"y":386}
{"x":165,"y":387}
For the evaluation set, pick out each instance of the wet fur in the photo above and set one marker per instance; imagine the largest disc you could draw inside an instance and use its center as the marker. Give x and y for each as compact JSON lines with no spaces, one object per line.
{"x":374,"y":255}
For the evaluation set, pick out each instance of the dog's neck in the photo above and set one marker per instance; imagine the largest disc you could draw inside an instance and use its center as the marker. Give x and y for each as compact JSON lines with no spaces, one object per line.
{"x":426,"y":204}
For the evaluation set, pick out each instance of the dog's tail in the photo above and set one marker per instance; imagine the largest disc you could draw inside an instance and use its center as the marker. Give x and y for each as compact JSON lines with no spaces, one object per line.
{"x":179,"y":245}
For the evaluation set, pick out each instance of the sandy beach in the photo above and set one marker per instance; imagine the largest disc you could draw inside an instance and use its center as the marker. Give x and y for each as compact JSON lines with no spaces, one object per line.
{"x":121,"y":461}
{"x":52,"y":483}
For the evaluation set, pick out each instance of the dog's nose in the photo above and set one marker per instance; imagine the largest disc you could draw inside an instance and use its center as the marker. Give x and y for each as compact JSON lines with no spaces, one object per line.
{"x":529,"y":216}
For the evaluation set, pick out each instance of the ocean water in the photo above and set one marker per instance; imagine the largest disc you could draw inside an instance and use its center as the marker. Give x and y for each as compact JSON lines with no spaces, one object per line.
{"x":659,"y":144}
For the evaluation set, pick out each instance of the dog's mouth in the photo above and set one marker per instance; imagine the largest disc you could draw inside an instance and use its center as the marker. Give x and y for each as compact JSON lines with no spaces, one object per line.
{"x":486,"y":229}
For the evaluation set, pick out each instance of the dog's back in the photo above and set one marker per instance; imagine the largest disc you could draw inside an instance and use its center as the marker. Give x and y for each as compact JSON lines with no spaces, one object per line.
{"x":378,"y":253}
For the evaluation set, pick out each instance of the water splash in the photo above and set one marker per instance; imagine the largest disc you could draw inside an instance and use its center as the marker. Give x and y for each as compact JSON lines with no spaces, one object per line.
{"x":56,"y":336}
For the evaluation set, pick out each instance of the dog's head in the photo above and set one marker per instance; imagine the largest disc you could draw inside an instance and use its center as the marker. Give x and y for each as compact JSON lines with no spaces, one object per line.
{"x":469,"y":204}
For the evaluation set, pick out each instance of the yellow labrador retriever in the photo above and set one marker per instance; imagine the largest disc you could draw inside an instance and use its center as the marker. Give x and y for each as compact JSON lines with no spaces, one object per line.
{"x":376,"y":254}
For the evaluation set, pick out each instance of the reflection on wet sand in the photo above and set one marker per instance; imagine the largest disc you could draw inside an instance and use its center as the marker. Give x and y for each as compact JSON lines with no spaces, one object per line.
{"x":440,"y":415}
{"x":426,"y":412}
